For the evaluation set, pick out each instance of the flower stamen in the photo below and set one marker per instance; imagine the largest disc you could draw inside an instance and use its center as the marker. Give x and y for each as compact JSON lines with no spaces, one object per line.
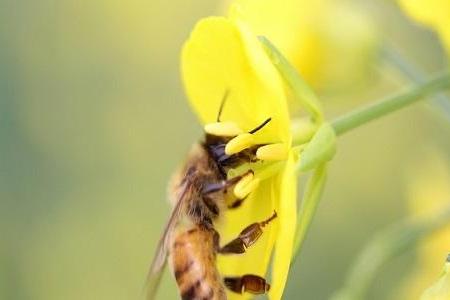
{"x":245,"y":186}
{"x":223,"y":129}
{"x":272,"y":152}
{"x":251,"y":180}
{"x":239,"y":143}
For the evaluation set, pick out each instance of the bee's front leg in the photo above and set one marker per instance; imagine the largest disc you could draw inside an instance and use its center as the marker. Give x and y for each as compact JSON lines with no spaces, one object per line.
{"x":222,"y":185}
{"x":246,"y":238}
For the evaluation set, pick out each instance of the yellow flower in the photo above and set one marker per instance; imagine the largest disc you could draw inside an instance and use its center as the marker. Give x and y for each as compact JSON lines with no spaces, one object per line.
{"x":432,"y":13}
{"x":223,"y":56}
{"x":331,"y":43}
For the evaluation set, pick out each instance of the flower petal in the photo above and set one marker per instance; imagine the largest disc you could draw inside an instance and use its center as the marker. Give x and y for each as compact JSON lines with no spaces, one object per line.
{"x":223,"y":55}
{"x":287,"y":216}
{"x":258,"y":206}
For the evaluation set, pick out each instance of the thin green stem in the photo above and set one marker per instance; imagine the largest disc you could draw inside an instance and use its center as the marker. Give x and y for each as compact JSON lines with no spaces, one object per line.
{"x":440,"y":102}
{"x":308,"y":207}
{"x":376,"y":110}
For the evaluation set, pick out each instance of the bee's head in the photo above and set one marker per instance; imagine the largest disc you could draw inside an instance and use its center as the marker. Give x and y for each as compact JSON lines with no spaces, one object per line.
{"x":215,"y":145}
{"x":228,"y":144}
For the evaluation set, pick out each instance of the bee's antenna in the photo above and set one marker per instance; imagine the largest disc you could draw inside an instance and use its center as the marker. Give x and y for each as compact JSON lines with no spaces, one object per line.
{"x":260,"y":126}
{"x":222,"y":103}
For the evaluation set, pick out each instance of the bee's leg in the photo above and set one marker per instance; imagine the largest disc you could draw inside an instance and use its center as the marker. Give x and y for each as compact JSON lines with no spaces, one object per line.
{"x":211,"y":205}
{"x":223,"y":185}
{"x":248,"y":283}
{"x":246,"y":238}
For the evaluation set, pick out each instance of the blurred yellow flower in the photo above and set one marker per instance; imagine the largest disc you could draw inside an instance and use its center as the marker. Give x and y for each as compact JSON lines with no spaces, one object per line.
{"x":432,"y":13}
{"x":330,"y":42}
{"x":223,"y":55}
{"x":429,"y":193}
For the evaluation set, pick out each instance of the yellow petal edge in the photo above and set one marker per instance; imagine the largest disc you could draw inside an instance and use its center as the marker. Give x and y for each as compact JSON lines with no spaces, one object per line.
{"x":223,"y":56}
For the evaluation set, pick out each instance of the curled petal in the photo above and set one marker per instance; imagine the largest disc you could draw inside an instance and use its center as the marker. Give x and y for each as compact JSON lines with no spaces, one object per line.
{"x":287,"y":216}
{"x":223,"y":56}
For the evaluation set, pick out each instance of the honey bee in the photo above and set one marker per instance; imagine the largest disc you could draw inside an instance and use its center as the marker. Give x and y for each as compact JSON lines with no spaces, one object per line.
{"x":190,"y":242}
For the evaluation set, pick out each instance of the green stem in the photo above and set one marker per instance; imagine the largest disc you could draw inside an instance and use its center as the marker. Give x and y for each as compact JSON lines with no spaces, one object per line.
{"x":376,"y":110}
{"x":440,"y":102}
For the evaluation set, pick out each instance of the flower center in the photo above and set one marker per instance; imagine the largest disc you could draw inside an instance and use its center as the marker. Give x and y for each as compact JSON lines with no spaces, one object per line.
{"x":266,"y":162}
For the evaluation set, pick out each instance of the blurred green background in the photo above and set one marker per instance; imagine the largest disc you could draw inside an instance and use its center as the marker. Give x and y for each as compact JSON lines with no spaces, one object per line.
{"x":93,"y":120}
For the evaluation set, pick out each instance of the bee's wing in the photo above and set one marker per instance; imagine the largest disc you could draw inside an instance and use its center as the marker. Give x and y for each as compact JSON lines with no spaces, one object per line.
{"x":159,"y":260}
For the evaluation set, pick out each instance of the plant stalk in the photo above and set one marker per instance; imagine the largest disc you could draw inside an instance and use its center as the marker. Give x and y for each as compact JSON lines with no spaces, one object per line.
{"x":390,"y":104}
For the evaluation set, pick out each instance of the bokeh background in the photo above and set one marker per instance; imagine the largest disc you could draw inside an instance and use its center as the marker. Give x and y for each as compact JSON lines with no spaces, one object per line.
{"x":93,"y":120}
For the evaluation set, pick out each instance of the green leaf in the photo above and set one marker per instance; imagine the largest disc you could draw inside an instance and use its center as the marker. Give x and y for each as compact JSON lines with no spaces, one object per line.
{"x":319,"y":150}
{"x":308,"y":99}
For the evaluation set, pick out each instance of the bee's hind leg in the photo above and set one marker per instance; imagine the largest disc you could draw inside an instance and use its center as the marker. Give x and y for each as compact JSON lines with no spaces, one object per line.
{"x":247,"y":283}
{"x":246,"y":238}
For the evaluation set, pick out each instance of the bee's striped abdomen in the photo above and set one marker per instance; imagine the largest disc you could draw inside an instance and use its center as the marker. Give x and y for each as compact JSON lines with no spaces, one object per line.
{"x":192,"y":257}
